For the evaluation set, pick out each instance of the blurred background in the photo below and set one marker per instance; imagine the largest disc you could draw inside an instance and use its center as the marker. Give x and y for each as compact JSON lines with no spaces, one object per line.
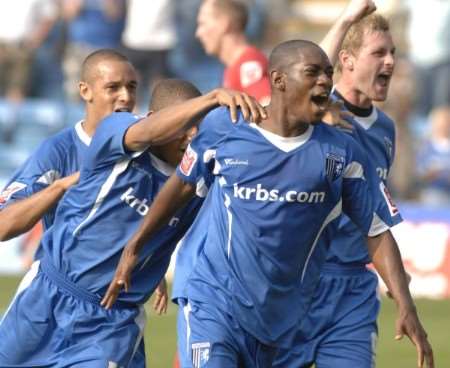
{"x":43,"y":43}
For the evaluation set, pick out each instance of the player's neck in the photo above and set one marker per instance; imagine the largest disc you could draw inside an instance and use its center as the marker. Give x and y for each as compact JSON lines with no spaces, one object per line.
{"x":281,"y":123}
{"x":233,"y":45}
{"x":158,"y":153}
{"x":352,"y":95}
{"x":354,"y":109}
{"x":90,"y":125}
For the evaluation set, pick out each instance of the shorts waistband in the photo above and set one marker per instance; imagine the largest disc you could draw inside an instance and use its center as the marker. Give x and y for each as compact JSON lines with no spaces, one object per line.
{"x":343,"y":269}
{"x":70,"y":287}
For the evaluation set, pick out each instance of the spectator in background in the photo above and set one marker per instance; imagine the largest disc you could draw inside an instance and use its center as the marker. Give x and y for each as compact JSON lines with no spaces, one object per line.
{"x":188,"y":59}
{"x":91,"y":25}
{"x":434,"y":160}
{"x":221,"y":30}
{"x":148,"y":37}
{"x":430,"y":51}
{"x":24,"y":25}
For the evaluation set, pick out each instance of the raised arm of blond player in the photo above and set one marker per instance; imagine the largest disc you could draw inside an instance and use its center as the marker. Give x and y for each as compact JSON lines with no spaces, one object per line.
{"x":388,"y":262}
{"x":20,"y":216}
{"x":354,"y":11}
{"x":166,"y":124}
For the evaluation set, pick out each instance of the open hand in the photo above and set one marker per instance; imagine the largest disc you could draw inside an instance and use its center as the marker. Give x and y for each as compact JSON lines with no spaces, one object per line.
{"x":250,"y":107}
{"x":161,"y":298}
{"x":335,"y":116}
{"x":121,"y":279}
{"x":408,"y":324}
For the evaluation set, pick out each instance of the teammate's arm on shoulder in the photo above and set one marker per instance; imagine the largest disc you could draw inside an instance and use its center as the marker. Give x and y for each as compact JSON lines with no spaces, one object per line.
{"x":166,"y":124}
{"x":336,"y":116}
{"x":20,"y":216}
{"x":21,"y":202}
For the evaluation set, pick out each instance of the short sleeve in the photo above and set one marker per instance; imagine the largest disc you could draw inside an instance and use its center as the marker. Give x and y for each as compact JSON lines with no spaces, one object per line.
{"x":107,"y":146}
{"x":197,"y":165}
{"x":41,"y":169}
{"x":365,"y":198}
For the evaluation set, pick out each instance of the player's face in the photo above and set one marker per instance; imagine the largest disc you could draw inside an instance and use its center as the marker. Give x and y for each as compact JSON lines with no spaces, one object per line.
{"x":210,"y":28}
{"x":374,"y":65}
{"x":308,"y":86}
{"x":113,"y":88}
{"x":173,"y":151}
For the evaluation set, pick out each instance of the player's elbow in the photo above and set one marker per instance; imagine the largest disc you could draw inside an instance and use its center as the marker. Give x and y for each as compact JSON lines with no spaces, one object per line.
{"x":5,"y":232}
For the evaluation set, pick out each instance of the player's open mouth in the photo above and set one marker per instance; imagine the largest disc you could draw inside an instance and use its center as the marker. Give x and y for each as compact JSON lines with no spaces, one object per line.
{"x":122,"y":109}
{"x":321,"y":100}
{"x":383,"y":79}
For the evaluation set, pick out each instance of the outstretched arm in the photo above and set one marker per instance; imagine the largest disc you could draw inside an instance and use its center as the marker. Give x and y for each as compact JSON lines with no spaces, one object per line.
{"x":173,"y":196}
{"x":355,"y":10}
{"x":388,"y":262}
{"x":21,"y":216}
{"x":166,"y":124}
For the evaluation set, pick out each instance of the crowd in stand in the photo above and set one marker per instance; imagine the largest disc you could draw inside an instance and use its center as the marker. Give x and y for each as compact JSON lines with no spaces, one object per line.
{"x":43,"y":42}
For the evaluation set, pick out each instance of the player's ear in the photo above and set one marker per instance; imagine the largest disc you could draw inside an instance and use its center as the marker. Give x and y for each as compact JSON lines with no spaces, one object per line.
{"x":85,"y":91}
{"x":346,"y":59}
{"x":278,"y":80}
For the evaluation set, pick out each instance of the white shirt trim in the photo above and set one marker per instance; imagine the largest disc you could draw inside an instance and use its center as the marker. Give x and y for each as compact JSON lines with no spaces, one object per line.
{"x":285,"y":144}
{"x":84,"y":137}
{"x":162,"y":166}
{"x":377,"y":226}
{"x":367,"y":121}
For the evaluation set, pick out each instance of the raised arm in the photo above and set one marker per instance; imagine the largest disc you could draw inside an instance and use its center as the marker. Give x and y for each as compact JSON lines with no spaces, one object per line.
{"x":166,"y":124}
{"x":388,"y":262}
{"x":354,"y":11}
{"x":21,"y":216}
{"x":172,"y":197}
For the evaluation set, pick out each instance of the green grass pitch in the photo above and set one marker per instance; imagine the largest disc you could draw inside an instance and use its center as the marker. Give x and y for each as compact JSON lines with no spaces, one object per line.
{"x":160,"y":334}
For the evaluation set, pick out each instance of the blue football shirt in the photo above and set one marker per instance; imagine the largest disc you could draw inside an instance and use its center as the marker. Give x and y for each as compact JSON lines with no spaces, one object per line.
{"x":58,"y":156}
{"x":376,"y":134}
{"x":270,"y":205}
{"x":97,"y":217}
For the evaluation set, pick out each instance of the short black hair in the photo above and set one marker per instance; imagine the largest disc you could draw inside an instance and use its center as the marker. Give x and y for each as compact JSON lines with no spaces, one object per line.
{"x":171,"y":91}
{"x":97,"y":56}
{"x":288,"y":52}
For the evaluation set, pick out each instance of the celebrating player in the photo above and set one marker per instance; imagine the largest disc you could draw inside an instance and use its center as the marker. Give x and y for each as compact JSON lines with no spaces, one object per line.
{"x":108,"y":84}
{"x":341,"y":327}
{"x":57,"y":308}
{"x":275,"y":189}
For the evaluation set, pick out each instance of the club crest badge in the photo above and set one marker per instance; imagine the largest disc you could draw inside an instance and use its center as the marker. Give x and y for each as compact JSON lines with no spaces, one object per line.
{"x":389,"y":147}
{"x":200,"y":354}
{"x":334,"y":166}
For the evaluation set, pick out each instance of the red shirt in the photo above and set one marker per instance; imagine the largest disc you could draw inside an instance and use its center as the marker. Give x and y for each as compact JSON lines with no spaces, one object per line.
{"x":249,"y":74}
